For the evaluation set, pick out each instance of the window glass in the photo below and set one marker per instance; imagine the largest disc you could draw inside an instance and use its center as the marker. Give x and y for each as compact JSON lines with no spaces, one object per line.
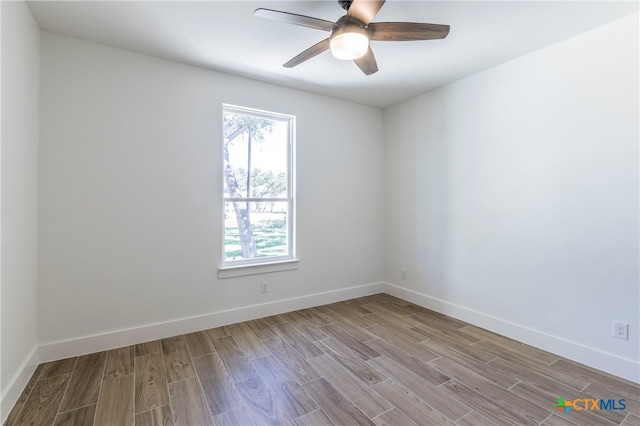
{"x":258,"y":186}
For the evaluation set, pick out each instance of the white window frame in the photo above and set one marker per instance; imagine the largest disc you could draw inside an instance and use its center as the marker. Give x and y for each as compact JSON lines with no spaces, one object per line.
{"x":272,"y":263}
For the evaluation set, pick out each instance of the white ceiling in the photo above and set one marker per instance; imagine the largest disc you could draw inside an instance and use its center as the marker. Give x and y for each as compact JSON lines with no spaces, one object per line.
{"x":225,"y":36}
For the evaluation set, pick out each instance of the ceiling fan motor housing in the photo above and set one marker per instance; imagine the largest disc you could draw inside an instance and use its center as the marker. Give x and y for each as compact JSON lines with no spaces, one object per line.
{"x":347,"y":27}
{"x":345,"y":4}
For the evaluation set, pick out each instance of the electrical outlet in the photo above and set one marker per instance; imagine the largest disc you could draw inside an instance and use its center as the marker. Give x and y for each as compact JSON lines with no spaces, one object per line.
{"x":621,"y":330}
{"x":264,"y":288}
{"x":403,"y":274}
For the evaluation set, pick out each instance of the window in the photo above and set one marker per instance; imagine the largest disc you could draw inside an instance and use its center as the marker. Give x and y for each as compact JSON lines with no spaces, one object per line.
{"x":259,"y":209}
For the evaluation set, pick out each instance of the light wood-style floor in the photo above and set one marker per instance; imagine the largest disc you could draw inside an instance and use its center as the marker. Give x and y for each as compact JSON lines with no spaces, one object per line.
{"x":373,"y":360}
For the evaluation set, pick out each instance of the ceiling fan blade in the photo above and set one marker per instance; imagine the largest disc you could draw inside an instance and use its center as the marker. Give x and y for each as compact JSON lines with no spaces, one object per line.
{"x":314,"y":50}
{"x":406,"y":31}
{"x":363,"y":11}
{"x":367,"y":63}
{"x":292,"y":18}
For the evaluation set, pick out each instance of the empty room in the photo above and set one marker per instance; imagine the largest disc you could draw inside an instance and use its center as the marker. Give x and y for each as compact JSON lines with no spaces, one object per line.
{"x":320,"y":213}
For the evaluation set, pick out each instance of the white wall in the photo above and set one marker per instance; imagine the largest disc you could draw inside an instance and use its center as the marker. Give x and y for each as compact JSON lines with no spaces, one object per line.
{"x":19,"y":206}
{"x":512,"y":197}
{"x":130,"y":196}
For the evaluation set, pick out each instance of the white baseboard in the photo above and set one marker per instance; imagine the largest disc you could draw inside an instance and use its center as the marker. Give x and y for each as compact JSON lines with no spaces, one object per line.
{"x":622,"y":367}
{"x":18,"y":382}
{"x":115,"y":339}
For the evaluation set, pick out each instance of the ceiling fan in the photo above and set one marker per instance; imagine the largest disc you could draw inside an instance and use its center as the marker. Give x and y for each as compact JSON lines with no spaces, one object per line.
{"x":351,"y":34}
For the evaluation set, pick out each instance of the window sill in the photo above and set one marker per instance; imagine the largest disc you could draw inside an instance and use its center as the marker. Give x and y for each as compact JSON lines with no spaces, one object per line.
{"x":260,"y":268}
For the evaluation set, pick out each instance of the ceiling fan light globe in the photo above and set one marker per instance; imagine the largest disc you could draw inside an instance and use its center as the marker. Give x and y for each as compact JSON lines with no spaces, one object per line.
{"x":349,"y":45}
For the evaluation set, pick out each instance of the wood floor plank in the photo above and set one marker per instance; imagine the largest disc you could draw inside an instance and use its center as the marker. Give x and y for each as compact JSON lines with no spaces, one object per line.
{"x":497,"y":411}
{"x":198,"y":343}
{"x":261,"y":329}
{"x":403,"y":344}
{"x":446,"y":336}
{"x":363,"y":351}
{"x":216,"y":383}
{"x":525,"y":373}
{"x":217,"y":333}
{"x":491,"y":390}
{"x":380,"y":311}
{"x":397,"y":325}
{"x":437,"y":318}
{"x":555,"y":420}
{"x":151,"y":382}
{"x":292,"y":359}
{"x":587,"y":374}
{"x":320,"y":310}
{"x":351,"y":327}
{"x":177,"y":361}
{"x":549,"y":388}
{"x":441,"y":322}
{"x":315,"y":418}
{"x":308,"y":329}
{"x":229,"y":418}
{"x":273,"y":320}
{"x":349,"y":360}
{"x":385,"y":298}
{"x":31,"y":383}
{"x":119,"y":362}
{"x":475,"y":352}
{"x":297,"y":341}
{"x":188,"y":402}
{"x":260,"y":401}
{"x":409,"y":404}
{"x":55,"y":368}
{"x":247,"y":341}
{"x":596,"y":390}
{"x":574,"y":381}
{"x":78,"y":417}
{"x":428,"y":393}
{"x":363,"y":300}
{"x":159,"y":416}
{"x":357,"y":307}
{"x":614,"y":416}
{"x":540,"y":391}
{"x":393,"y":417}
{"x":13,"y":414}
{"x":310,"y":316}
{"x":115,"y":405}
{"x":454,"y":363}
{"x":425,"y":371}
{"x":525,"y":351}
{"x":360,"y":333}
{"x":42,"y":405}
{"x":234,"y":360}
{"x":348,"y":314}
{"x":631,"y":420}
{"x":147,"y":348}
{"x":85,"y":382}
{"x":531,"y":352}
{"x":387,"y":310}
{"x":475,"y":419}
{"x":340,"y":410}
{"x":397,"y":309}
{"x":288,"y":396}
{"x":370,"y":403}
